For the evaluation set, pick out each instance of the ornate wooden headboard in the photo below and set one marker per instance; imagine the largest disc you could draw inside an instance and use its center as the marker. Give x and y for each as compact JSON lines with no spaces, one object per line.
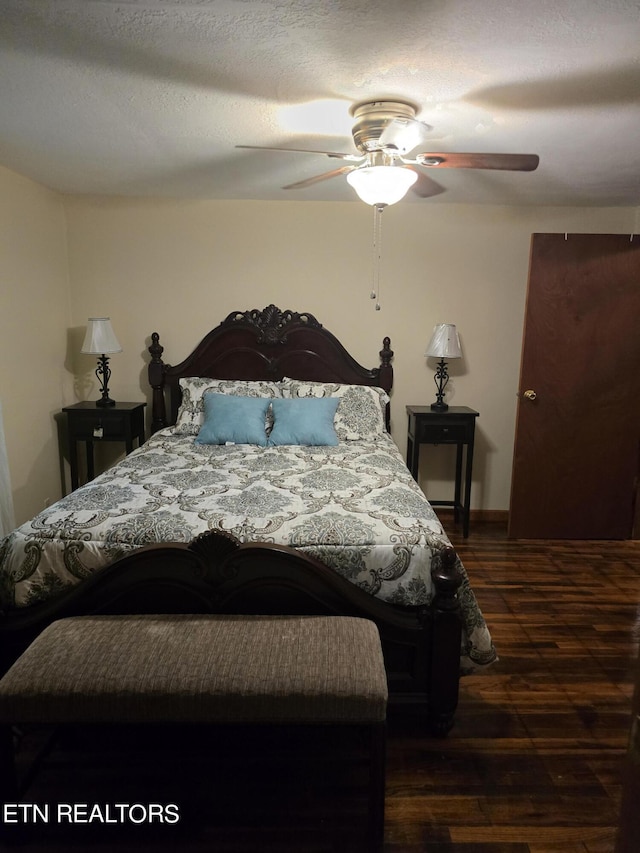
{"x":266,"y":344}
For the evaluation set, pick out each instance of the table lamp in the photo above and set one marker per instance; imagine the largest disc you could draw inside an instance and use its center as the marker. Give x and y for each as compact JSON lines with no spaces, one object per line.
{"x":444,"y":344}
{"x":101,"y":340}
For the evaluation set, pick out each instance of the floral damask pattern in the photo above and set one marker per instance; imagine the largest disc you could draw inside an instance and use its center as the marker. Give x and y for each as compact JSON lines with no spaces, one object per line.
{"x":98,"y":497}
{"x":402,"y":502}
{"x":361,"y":410}
{"x":354,"y":506}
{"x":329,"y":480}
{"x":191,"y":412}
{"x":332,"y":528}
{"x":255,"y":501}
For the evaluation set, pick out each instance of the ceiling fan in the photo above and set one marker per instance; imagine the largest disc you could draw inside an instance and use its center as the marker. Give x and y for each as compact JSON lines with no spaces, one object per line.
{"x":384,"y":133}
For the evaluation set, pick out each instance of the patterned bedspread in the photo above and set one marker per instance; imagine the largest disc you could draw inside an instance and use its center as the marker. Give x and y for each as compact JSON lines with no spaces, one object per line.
{"x":354,"y":506}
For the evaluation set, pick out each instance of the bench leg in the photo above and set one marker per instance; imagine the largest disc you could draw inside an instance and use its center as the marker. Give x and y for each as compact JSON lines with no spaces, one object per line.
{"x":8,"y":780}
{"x":8,"y":776}
{"x":377,"y":779}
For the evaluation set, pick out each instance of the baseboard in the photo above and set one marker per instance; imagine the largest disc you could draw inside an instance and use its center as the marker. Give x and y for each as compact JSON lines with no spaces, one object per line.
{"x":485,"y":516}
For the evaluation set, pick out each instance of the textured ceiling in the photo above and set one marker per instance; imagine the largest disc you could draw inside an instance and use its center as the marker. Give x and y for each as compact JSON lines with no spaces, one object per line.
{"x":150,"y":97}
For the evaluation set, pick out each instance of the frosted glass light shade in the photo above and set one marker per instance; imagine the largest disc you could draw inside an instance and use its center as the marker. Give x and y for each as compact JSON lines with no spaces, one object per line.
{"x":381,"y":185}
{"x":100,"y":338}
{"x":445,"y":342}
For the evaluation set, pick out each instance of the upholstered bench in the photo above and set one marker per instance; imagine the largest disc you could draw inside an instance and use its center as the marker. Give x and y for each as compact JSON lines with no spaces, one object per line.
{"x":213,"y":670}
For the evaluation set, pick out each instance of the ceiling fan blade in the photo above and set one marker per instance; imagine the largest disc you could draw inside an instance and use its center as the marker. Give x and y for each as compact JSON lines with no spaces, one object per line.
{"x":425,"y":187}
{"x":354,"y":157}
{"x":307,"y":182}
{"x":508,"y":162}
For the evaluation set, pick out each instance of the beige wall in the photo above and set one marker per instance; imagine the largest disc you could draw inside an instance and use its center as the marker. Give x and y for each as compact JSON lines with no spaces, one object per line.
{"x":179,"y":267}
{"x":34,"y":316}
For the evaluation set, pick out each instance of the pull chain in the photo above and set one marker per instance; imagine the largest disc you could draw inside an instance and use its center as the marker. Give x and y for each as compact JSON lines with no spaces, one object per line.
{"x":377,"y":253}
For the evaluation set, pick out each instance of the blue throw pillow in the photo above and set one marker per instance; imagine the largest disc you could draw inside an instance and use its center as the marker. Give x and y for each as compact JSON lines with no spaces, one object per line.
{"x":307,"y":421}
{"x":229,"y":418}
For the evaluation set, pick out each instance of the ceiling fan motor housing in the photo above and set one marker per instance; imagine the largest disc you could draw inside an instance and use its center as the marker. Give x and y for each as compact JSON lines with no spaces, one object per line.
{"x":372,"y":118}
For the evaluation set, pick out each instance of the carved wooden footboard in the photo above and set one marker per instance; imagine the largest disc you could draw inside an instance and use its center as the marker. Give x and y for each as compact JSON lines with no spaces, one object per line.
{"x":217,"y":574}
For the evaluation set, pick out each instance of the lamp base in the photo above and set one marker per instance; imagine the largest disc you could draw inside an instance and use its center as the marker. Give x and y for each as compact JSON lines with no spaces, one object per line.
{"x":441,"y":378}
{"x":103,"y":373}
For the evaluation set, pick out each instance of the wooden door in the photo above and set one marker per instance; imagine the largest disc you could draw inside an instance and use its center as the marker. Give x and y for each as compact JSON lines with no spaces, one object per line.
{"x":577,"y":450}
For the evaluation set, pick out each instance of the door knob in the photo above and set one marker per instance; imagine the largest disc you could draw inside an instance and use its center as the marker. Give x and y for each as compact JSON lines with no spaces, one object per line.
{"x":530,"y":395}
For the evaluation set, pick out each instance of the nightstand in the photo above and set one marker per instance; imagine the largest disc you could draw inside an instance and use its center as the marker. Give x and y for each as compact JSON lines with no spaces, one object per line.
{"x":456,"y":426}
{"x":90,"y":423}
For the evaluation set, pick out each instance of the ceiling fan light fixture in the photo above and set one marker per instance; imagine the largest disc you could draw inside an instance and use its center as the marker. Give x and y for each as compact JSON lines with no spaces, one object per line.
{"x":381,"y":185}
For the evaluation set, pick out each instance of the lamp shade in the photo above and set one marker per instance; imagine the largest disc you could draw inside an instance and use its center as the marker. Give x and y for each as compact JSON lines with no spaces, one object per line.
{"x":445,"y":342}
{"x":100,"y":337}
{"x":381,"y":185}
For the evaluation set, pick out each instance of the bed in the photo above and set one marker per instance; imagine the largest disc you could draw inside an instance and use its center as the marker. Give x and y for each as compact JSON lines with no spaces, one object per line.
{"x":270,"y":484}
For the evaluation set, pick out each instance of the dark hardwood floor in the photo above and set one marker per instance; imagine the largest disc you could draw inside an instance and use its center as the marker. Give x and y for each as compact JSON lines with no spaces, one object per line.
{"x":533,"y":764}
